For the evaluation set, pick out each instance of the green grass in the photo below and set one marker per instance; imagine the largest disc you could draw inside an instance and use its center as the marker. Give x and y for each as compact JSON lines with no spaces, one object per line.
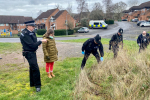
{"x":9,"y":47}
{"x":58,"y":36}
{"x":13,"y":36}
{"x":104,"y":40}
{"x":15,"y":82}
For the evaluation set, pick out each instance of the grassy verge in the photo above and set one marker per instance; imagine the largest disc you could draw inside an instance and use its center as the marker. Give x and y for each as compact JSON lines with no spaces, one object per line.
{"x":13,"y":36}
{"x":15,"y":82}
{"x":123,"y":78}
{"x":58,"y":36}
{"x":14,"y":79}
{"x":9,"y":47}
{"x":104,"y":40}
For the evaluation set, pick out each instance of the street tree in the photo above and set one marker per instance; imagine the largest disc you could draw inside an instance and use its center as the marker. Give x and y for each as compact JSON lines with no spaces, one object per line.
{"x":118,"y":8}
{"x":82,"y":7}
{"x":97,"y":12}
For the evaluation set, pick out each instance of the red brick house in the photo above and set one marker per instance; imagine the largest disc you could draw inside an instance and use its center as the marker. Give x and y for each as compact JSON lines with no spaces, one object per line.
{"x":13,"y":24}
{"x":142,"y":12}
{"x":55,"y":19}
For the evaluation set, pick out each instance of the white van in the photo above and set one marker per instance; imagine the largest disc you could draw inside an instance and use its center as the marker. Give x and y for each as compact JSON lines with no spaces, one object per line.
{"x":97,"y":24}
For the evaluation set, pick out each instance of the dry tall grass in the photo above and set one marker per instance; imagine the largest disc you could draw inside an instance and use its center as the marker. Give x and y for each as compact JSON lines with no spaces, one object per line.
{"x":125,"y":78}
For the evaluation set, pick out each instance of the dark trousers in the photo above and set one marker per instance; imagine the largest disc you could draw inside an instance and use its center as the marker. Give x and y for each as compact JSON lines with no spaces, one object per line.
{"x":86,"y":55}
{"x":143,"y":46}
{"x":34,"y":70}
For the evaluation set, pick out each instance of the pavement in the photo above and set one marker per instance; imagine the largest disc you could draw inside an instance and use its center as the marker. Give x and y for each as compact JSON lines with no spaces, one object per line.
{"x":131,"y":31}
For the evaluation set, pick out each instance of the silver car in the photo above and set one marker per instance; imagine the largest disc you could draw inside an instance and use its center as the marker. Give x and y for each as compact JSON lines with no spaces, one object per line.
{"x":145,"y":24}
{"x":83,"y":30}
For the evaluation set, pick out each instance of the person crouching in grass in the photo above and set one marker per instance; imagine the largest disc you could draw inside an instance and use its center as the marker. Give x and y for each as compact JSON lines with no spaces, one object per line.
{"x":50,"y":52}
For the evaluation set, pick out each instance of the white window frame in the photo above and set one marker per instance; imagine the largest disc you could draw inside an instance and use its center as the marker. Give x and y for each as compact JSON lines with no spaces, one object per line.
{"x":2,"y":25}
{"x":7,"y":24}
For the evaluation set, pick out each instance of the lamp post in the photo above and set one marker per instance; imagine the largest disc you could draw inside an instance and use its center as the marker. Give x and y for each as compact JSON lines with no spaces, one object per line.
{"x":66,"y":25}
{"x":18,"y":25}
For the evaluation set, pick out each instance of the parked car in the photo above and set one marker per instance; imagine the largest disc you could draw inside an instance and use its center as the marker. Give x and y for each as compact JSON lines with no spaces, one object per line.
{"x":135,"y":20}
{"x":145,"y":24}
{"x":124,"y":20}
{"x":83,"y":30}
{"x":139,"y":22}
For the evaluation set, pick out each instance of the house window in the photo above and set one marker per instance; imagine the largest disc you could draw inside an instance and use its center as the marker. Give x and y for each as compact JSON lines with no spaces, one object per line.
{"x":1,"y":24}
{"x":44,"y":20}
{"x":7,"y":24}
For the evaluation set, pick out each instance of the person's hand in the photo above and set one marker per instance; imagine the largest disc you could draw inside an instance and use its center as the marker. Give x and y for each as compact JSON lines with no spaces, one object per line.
{"x":101,"y":58}
{"x":47,"y":57}
{"x":44,"y":40}
{"x":139,"y":44}
{"x":83,"y":52}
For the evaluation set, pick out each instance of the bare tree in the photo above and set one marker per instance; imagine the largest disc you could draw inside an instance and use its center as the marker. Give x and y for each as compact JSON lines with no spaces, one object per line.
{"x":69,"y":8}
{"x":58,"y":6}
{"x":39,"y":12}
{"x":109,"y":8}
{"x":133,"y":3}
{"x":82,"y":7}
{"x":118,"y":8}
{"x":97,"y":12}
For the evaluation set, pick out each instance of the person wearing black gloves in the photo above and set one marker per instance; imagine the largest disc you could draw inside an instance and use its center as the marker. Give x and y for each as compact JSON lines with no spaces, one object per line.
{"x":30,"y":45}
{"x":143,"y":40}
{"x":115,"y":41}
{"x":91,"y":46}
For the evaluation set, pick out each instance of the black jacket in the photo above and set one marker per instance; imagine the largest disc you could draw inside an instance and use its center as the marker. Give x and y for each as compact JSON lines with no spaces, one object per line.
{"x":90,"y":46}
{"x":29,"y":41}
{"x":117,"y":38}
{"x":142,"y":39}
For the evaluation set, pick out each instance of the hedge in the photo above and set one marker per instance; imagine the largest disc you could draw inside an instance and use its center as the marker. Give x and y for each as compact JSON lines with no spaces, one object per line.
{"x":109,"y":21}
{"x":41,"y":31}
{"x":57,"y":32}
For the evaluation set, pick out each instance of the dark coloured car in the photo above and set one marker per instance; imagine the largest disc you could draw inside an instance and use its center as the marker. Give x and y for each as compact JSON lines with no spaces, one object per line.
{"x":124,"y":20}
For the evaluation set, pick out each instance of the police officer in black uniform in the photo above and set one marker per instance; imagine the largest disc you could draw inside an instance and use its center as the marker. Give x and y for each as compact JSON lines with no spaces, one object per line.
{"x":91,"y":46}
{"x":143,"y":40}
{"x":30,"y":45}
{"x":115,"y":41}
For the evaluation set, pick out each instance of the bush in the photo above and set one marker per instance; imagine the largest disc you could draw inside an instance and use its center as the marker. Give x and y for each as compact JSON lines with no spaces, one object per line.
{"x":63,"y":32}
{"x":76,"y":29}
{"x":109,"y":21}
{"x":41,"y":31}
{"x":84,"y":22}
{"x":57,"y":32}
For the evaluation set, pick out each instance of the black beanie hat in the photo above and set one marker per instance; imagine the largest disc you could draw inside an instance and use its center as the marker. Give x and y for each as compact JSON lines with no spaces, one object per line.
{"x":97,"y":39}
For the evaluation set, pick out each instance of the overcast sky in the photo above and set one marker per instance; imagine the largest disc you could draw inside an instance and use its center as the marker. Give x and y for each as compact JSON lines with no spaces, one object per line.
{"x":32,"y":7}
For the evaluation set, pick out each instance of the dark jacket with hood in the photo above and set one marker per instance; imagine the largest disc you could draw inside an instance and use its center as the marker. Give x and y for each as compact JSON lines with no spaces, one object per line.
{"x":143,"y":39}
{"x":90,"y":46}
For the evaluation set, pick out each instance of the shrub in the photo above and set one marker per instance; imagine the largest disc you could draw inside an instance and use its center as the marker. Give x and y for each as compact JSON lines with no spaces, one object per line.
{"x":109,"y":21}
{"x":76,"y":29}
{"x":63,"y":32}
{"x":41,"y":31}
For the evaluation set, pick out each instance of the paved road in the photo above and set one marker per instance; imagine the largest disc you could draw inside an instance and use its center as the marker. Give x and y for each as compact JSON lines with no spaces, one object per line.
{"x":131,"y":31}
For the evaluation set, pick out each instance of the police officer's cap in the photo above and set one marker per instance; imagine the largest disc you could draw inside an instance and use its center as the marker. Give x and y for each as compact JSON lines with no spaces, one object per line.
{"x":30,"y":23}
{"x":97,"y":39}
{"x":120,"y":30}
